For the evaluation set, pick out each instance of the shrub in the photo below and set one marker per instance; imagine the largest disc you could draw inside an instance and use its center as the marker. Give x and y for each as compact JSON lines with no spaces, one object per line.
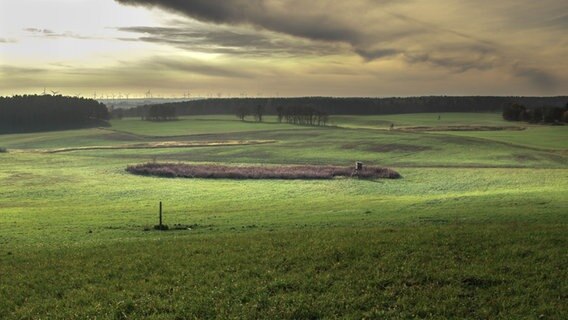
{"x":3,"y":150}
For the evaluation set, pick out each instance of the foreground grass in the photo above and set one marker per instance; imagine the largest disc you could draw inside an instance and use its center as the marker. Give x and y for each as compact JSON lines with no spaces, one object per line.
{"x":503,"y":270}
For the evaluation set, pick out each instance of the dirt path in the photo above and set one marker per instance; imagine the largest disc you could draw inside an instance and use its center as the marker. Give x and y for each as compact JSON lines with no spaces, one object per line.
{"x":162,"y":144}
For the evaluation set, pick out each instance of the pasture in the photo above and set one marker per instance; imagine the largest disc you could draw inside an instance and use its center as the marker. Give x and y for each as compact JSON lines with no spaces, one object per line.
{"x":477,"y":227}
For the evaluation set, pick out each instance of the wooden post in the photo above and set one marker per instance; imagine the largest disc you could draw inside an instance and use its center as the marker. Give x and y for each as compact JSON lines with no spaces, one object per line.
{"x":160,"y":215}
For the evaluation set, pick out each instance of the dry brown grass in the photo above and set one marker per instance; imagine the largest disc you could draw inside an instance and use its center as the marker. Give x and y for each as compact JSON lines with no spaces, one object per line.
{"x":462,"y":128}
{"x":165,"y":144}
{"x":214,"y":171}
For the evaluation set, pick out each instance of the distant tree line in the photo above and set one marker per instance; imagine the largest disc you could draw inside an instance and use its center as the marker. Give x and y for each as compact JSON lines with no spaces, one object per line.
{"x":353,"y":106}
{"x":543,"y":114}
{"x":23,"y":113}
{"x":301,"y":115}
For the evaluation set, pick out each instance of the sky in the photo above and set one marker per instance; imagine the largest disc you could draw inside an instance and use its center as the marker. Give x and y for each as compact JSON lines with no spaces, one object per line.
{"x":376,"y":48}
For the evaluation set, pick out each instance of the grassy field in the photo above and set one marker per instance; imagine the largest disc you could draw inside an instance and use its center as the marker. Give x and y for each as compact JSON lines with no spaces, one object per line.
{"x":477,"y":227}
{"x":539,"y":136}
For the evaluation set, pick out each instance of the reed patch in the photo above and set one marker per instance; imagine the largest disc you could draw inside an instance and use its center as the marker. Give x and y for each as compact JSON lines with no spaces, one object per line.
{"x":214,"y":171}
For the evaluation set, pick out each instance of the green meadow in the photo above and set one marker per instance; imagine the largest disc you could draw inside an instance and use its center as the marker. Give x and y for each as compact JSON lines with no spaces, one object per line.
{"x":477,"y":228}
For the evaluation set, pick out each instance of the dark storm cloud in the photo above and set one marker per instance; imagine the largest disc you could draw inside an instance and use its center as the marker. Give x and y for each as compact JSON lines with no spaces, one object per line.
{"x":560,"y":21}
{"x":285,"y":17}
{"x":198,"y":67}
{"x":217,"y":40}
{"x":373,"y":29}
{"x":323,"y":21}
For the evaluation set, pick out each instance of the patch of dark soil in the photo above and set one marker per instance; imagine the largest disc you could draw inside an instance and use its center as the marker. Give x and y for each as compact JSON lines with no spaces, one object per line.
{"x":294,"y":134}
{"x":458,"y":140}
{"x":524,"y":157}
{"x":253,"y":154}
{"x":463,"y":128}
{"x":433,"y":220}
{"x":350,"y":146}
{"x":394,"y":147}
{"x":474,"y":282}
{"x":176,"y":227}
{"x":122,"y":136}
{"x":389,"y":147}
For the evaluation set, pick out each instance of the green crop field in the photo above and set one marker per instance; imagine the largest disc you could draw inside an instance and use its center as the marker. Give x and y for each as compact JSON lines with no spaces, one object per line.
{"x":477,"y":228}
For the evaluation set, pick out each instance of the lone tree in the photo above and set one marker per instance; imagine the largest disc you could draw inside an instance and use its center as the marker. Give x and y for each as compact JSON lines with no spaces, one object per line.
{"x":242,"y":112}
{"x":258,"y":112}
{"x":280,"y":112}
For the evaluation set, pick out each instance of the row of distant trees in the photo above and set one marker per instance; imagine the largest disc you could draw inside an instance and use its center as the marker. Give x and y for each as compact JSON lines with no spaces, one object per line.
{"x":301,"y":115}
{"x":45,"y":112}
{"x":354,"y":106}
{"x":242,"y":112}
{"x":545,"y":114}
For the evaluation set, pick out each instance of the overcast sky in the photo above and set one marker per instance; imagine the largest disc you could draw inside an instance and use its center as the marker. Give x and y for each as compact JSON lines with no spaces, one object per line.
{"x":284,"y":47}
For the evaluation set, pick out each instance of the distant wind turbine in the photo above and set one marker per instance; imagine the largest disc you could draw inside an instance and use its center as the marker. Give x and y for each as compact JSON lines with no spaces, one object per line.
{"x":54,"y":92}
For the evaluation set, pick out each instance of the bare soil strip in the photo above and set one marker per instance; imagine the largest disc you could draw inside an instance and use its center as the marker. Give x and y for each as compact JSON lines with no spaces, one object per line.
{"x":213,"y":171}
{"x":164,"y":144}
{"x":462,"y":128}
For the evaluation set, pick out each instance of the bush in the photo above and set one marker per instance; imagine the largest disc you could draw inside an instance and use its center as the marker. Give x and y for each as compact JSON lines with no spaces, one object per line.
{"x":3,"y":150}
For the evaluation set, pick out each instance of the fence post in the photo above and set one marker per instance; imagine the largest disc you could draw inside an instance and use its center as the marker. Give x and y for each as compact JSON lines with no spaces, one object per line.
{"x":160,"y":215}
